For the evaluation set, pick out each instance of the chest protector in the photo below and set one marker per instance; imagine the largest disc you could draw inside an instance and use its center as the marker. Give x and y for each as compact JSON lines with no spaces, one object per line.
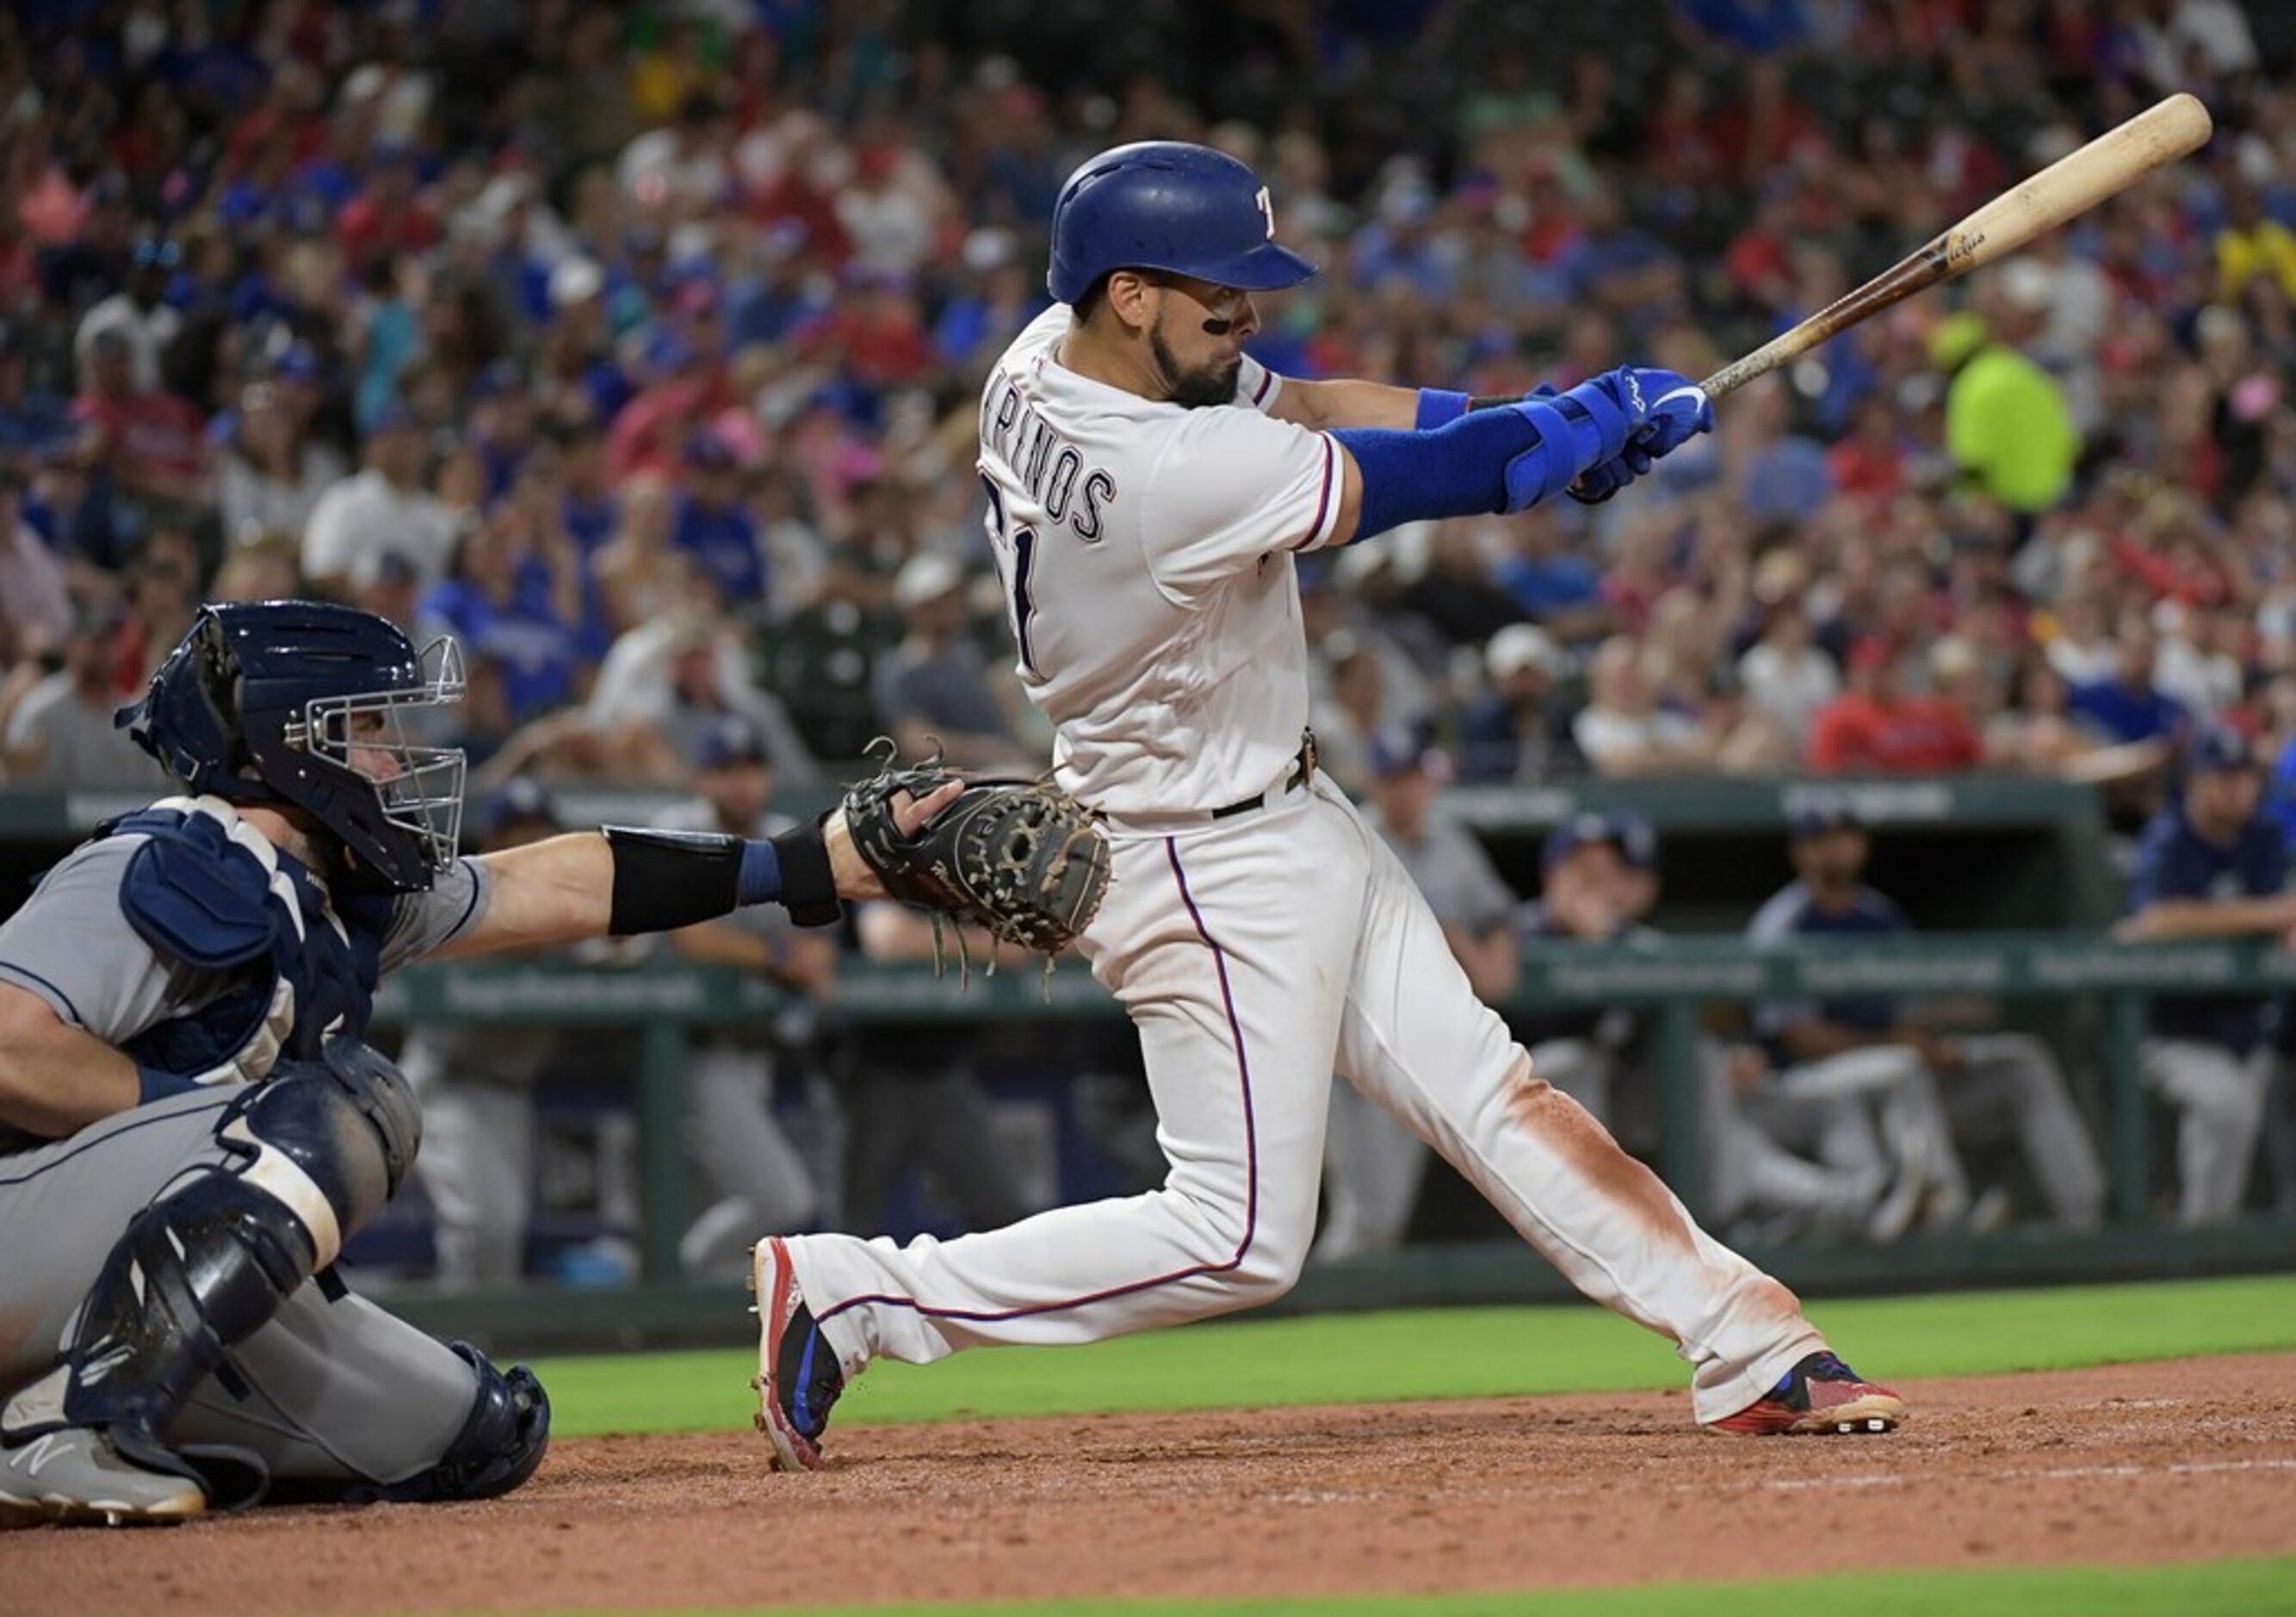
{"x":218,"y":900}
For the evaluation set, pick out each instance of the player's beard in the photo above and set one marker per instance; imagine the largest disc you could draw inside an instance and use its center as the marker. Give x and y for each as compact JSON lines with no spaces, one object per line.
{"x":1212,"y":384}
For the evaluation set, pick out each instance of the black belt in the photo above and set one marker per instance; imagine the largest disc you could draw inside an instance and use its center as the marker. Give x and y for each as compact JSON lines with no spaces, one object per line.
{"x":1303,"y":770}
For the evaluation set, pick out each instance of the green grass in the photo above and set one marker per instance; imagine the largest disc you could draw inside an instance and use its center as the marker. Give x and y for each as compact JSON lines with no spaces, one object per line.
{"x":2217,"y":1588}
{"x":1342,"y":1358}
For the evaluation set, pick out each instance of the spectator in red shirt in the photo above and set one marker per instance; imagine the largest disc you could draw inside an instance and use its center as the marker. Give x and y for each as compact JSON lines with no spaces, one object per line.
{"x":387,"y":219}
{"x":1871,"y":461}
{"x":1877,"y":728}
{"x":1766,"y":131}
{"x":1759,"y":261}
{"x":876,"y":333}
{"x":153,"y":445}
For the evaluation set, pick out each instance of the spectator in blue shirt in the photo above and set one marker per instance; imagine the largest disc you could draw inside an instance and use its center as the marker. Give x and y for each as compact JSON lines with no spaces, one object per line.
{"x":1550,"y":582}
{"x":712,"y":526}
{"x":2129,"y":706}
{"x":2216,"y":865}
{"x":514,"y":599}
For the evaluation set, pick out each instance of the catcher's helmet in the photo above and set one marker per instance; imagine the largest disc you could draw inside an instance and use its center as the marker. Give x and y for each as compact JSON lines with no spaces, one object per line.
{"x":1164,"y":204}
{"x":264,"y":702}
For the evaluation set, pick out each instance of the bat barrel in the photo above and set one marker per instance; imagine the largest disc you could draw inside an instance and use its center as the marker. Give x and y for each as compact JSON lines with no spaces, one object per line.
{"x":2067,"y":188}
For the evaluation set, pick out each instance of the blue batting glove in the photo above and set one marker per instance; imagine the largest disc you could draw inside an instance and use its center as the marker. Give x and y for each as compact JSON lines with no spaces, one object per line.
{"x":1601,"y":435}
{"x":1678,"y":411}
{"x":1593,"y":487}
{"x":1672,"y":410}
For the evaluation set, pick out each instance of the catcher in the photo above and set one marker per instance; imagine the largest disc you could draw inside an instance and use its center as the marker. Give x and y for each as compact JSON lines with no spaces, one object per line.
{"x":191,"y":1123}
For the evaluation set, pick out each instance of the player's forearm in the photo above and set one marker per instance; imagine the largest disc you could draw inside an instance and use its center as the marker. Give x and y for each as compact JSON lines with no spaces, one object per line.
{"x":625,"y":880}
{"x":1323,"y":406}
{"x":1816,"y":1040}
{"x":557,"y":890}
{"x":2168,"y":919}
{"x":55,"y":1079}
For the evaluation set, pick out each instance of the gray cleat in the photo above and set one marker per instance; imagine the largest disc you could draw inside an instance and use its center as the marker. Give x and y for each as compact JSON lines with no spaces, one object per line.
{"x":76,"y":1476}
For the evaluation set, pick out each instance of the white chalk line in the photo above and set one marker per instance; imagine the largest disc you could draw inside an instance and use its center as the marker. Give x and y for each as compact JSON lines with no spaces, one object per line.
{"x":2054,"y":1473}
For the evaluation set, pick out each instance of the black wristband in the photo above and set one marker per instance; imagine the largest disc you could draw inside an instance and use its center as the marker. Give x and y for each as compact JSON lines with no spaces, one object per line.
{"x":809,"y":889}
{"x":664,"y":880}
{"x":1495,"y":401}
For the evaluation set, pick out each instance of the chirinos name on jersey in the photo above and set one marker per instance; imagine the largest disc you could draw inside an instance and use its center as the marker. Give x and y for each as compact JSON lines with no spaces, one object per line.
{"x":1052,"y":470}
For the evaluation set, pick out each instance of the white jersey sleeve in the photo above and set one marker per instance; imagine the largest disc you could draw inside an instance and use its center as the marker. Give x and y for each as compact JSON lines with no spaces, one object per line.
{"x":1231,"y":486}
{"x":1257,"y":386}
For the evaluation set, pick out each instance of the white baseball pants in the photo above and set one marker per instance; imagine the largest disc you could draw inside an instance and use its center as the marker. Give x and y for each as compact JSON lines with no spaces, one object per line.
{"x":2221,"y":1094}
{"x":1255,"y":956}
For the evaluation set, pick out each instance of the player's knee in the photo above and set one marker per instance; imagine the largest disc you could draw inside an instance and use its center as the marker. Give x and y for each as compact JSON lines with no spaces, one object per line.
{"x":1263,"y":1274}
{"x":332,"y":1140}
{"x":1253,"y":1247}
{"x":2229,"y":1099}
{"x":1268,"y":1266}
{"x":499,"y":1446}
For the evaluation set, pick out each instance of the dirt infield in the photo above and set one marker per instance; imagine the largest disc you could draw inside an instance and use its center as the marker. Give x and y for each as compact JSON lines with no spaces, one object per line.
{"x":2144,"y":1462}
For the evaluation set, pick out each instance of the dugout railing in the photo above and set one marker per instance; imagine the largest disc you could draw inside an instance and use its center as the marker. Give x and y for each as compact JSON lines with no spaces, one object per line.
{"x":1682,"y":984}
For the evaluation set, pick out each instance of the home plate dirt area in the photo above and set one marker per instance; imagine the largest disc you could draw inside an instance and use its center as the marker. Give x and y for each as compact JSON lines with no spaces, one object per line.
{"x":2183,"y":1461}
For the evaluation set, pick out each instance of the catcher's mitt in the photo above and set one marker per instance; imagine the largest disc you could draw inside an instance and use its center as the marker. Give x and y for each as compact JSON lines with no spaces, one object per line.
{"x":1021,"y":859}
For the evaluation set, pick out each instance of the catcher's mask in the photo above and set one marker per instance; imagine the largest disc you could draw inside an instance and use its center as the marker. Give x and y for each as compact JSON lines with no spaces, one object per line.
{"x":304,"y":704}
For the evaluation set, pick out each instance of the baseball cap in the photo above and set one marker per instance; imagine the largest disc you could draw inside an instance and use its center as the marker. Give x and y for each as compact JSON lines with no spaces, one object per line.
{"x":665,"y":350}
{"x":926,"y":577}
{"x":1628,"y":833}
{"x":298,"y":363}
{"x":1817,"y":817}
{"x":730,"y":742}
{"x":575,"y":279}
{"x":1405,"y":749}
{"x":499,"y":380}
{"x":520,"y":801}
{"x":1635,"y":838}
{"x":1522,"y":645}
{"x":2221,"y":748}
{"x":706,"y":451}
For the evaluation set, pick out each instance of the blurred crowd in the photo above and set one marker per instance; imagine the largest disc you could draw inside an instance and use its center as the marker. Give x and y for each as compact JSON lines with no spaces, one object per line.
{"x":637,"y":347}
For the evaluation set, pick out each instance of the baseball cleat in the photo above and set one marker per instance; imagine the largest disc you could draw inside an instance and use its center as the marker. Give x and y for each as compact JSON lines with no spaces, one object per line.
{"x":799,"y":1377}
{"x":1821,"y":1394}
{"x":75,"y":1476}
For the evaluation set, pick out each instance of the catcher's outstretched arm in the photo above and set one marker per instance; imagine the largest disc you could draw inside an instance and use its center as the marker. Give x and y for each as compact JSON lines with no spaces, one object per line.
{"x":620,"y":880}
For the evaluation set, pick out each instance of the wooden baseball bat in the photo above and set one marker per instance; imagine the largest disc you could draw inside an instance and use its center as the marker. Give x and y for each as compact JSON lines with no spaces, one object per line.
{"x":2067,"y":188}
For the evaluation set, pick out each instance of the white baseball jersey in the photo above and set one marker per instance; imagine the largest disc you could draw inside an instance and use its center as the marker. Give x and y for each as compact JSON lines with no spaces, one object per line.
{"x":1147,"y":552}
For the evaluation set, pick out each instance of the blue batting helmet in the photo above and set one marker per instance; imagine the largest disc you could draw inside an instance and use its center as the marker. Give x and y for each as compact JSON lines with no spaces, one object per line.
{"x":1164,"y":204}
{"x":266,"y":702}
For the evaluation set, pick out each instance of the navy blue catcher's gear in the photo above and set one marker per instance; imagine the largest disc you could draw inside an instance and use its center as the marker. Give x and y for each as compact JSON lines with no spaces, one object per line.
{"x":1164,"y":204}
{"x":205,"y":891}
{"x":498,"y":1447}
{"x":265,"y":703}
{"x":316,"y":1150}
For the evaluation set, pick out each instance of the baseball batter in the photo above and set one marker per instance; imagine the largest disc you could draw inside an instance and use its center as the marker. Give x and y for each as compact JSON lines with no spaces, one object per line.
{"x":190,"y":1124}
{"x":1150,"y":489}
